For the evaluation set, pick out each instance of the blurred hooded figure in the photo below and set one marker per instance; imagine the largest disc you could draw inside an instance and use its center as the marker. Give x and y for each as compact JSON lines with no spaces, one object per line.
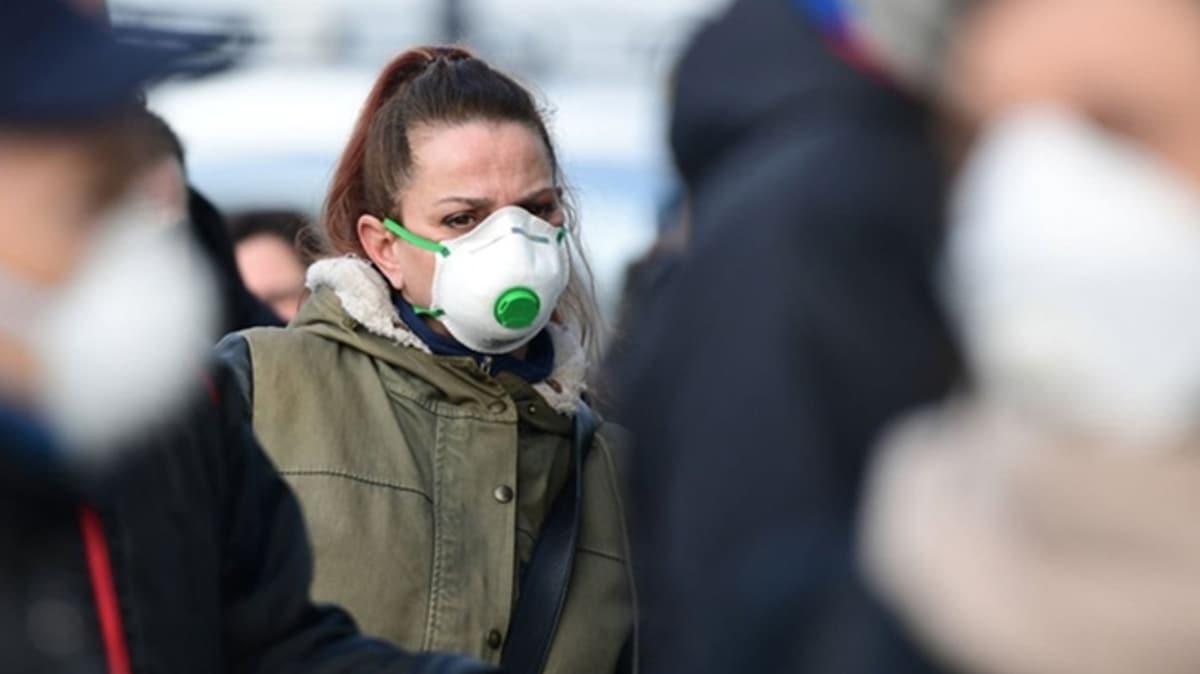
{"x":802,"y":320}
{"x":1044,"y":522}
{"x":165,"y":184}
{"x":242,"y":308}
{"x":141,"y":527}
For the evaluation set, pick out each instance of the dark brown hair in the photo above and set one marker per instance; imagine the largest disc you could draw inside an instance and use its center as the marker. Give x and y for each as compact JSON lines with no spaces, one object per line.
{"x":426,"y":85}
{"x":289,"y":226}
{"x":158,"y":140}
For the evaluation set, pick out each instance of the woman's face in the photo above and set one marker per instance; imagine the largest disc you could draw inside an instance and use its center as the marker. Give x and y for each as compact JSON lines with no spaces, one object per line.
{"x":462,"y":174}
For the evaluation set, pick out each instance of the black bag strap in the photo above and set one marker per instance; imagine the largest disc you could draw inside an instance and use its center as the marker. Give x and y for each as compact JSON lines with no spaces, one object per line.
{"x":544,"y":591}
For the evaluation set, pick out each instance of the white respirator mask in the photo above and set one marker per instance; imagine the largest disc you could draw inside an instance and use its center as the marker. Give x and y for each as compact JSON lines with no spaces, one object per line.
{"x":495,"y":287}
{"x":1074,"y":273}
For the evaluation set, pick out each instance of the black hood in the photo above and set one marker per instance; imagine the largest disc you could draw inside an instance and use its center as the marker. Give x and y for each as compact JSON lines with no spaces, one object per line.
{"x":241,"y":309}
{"x":763,"y":65}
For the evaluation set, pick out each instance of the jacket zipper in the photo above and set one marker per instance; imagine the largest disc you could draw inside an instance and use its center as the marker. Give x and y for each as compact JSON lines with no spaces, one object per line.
{"x":485,"y":364}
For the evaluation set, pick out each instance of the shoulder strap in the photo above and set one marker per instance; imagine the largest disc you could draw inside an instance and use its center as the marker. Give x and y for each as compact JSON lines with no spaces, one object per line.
{"x":541,"y":599}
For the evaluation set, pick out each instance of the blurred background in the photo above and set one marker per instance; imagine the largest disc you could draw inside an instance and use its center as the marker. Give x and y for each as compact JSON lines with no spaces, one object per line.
{"x":266,"y":131}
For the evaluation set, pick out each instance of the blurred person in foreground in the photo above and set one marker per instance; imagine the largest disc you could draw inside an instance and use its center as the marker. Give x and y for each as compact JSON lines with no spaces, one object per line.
{"x":270,"y":257}
{"x":801,"y":321}
{"x":428,"y":404}
{"x":1045,"y":521}
{"x":141,"y":527}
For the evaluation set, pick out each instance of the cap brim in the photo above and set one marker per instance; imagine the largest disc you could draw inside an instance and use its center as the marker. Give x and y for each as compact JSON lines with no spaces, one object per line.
{"x":93,"y":73}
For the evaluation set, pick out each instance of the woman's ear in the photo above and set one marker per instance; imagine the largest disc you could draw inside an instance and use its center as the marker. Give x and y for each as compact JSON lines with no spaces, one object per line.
{"x":380,"y":246}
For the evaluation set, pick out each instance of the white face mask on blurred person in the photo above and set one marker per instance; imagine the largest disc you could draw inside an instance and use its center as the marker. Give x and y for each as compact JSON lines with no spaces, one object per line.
{"x":125,"y":339}
{"x":1074,"y":272}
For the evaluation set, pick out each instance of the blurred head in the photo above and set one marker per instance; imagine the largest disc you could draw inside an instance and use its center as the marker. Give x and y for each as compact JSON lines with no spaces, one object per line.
{"x":1075,"y":252}
{"x":1130,"y":66}
{"x":104,"y":311}
{"x":269,"y":258}
{"x":55,"y":183}
{"x":444,"y":141}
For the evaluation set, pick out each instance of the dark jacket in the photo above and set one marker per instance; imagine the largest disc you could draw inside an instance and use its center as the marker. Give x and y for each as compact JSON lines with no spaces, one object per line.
{"x":801,"y":321}
{"x":205,"y":548}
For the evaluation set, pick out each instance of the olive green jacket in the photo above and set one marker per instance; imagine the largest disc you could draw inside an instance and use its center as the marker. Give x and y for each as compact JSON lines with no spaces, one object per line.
{"x":425,"y":480}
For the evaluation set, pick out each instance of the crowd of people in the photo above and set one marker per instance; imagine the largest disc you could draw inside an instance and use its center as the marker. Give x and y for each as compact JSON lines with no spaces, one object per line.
{"x":912,"y":386}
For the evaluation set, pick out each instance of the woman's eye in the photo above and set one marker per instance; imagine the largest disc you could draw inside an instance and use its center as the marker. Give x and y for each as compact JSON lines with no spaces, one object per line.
{"x":543,"y":210}
{"x":459,"y":220}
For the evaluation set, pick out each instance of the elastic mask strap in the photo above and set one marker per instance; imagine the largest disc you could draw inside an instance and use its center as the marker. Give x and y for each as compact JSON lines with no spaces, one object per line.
{"x":424,"y":244}
{"x":415,"y":239}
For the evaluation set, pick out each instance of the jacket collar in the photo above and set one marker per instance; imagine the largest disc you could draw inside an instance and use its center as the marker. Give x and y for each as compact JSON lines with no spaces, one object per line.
{"x":536,"y":366}
{"x":366,"y":299}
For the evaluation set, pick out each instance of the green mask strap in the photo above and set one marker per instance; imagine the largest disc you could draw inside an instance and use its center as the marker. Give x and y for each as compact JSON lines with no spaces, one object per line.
{"x":424,"y":244}
{"x":415,"y":239}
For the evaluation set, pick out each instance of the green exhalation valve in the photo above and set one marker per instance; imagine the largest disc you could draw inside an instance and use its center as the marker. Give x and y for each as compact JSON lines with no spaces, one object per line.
{"x":517,"y":308}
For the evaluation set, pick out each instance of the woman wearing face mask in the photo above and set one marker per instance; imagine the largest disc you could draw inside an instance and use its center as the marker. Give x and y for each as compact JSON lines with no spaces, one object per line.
{"x":424,"y":402}
{"x":1045,"y":523}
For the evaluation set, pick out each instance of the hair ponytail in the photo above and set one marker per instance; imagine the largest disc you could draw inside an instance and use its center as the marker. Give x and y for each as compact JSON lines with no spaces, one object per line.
{"x":347,"y":199}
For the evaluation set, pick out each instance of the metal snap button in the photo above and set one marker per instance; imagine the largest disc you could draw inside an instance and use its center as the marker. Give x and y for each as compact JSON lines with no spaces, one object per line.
{"x":494,"y":639}
{"x":503,"y":493}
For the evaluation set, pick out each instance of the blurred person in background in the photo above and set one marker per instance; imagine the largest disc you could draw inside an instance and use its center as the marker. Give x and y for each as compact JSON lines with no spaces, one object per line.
{"x":271,"y":258}
{"x":163,"y":179}
{"x":141,"y":527}
{"x":242,"y":308}
{"x":164,"y":182}
{"x":428,"y":402}
{"x":800,"y":322}
{"x":1044,"y":522}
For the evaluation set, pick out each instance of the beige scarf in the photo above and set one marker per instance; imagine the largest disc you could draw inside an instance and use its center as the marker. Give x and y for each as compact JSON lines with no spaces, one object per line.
{"x":1008,"y":553}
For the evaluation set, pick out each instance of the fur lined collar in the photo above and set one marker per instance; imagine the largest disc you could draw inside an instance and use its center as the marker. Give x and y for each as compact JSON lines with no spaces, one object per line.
{"x":365,"y":297}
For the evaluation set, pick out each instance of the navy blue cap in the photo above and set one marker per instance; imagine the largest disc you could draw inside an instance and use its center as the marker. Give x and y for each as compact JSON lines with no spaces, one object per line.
{"x":59,"y":66}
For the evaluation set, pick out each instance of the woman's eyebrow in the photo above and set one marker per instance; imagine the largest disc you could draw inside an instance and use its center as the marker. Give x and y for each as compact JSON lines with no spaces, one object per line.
{"x":473,"y":202}
{"x":535,"y":194}
{"x":484,"y":202}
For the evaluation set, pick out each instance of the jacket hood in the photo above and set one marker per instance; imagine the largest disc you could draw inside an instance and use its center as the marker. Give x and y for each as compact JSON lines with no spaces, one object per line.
{"x":361,"y":298}
{"x":759,"y":67}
